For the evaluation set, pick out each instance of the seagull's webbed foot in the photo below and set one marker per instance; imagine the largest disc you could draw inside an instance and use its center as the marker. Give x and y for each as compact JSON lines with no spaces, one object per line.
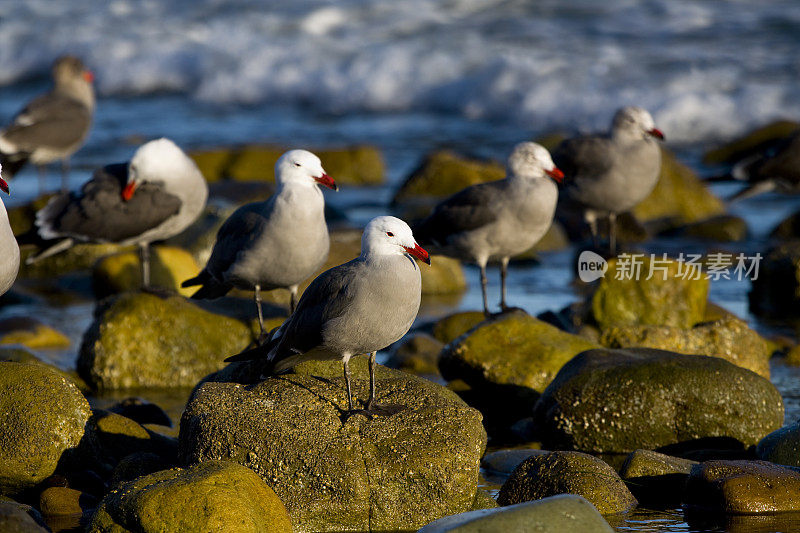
{"x":509,"y":309}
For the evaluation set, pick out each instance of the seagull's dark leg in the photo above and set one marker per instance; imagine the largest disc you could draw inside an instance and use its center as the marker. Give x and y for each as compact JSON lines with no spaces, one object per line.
{"x":504,"y":308}
{"x":65,"y":174}
{"x":483,"y":289}
{"x":612,"y":233}
{"x":144,"y":251}
{"x":257,"y":297}
{"x":292,"y":299}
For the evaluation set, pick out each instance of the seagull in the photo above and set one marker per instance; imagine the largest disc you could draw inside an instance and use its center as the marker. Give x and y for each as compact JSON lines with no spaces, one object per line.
{"x":273,"y":244}
{"x":9,"y":249}
{"x":611,"y":173}
{"x":158,"y":194}
{"x":359,"y":307}
{"x":54,"y":125}
{"x":778,"y":169}
{"x":497,"y":220}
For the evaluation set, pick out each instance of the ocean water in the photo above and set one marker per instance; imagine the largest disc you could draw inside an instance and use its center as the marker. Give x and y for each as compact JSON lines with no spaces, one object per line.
{"x":410,"y":76}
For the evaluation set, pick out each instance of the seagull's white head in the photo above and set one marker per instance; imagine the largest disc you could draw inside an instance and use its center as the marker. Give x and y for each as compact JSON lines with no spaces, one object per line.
{"x":530,"y":160}
{"x":634,"y":122}
{"x":301,"y":166}
{"x":160,"y":161}
{"x":388,"y":235}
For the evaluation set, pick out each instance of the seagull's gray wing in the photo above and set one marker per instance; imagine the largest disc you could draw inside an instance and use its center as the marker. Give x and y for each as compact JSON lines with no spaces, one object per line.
{"x":236,"y":234}
{"x":51,"y":120}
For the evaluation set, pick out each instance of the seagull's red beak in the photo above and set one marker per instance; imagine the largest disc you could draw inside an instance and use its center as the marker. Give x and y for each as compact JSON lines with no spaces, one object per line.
{"x":655,"y":132}
{"x":326,"y":181}
{"x":4,"y":186}
{"x":127,"y":192}
{"x":419,"y":252}
{"x":556,"y":174}
{"x":88,"y":76}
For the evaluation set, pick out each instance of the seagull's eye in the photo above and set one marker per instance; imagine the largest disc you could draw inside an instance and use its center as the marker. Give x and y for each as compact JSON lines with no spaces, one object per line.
{"x":390,"y":234}
{"x":297,"y":164}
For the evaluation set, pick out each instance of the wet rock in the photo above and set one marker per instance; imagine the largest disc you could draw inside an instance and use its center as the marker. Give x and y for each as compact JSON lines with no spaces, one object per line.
{"x":16,"y":354}
{"x":452,"y":326}
{"x":743,"y":487}
{"x":656,"y":478}
{"x":720,"y":228}
{"x":143,"y":340}
{"x":788,"y":228}
{"x":782,"y":446}
{"x":776,"y":291}
{"x":65,"y":501}
{"x":751,"y":143}
{"x":666,"y":299}
{"x":31,"y":333}
{"x":18,"y":518}
{"x":505,"y":461}
{"x":417,"y":354}
{"x":680,"y":196}
{"x":387,"y":473}
{"x":211,"y":496}
{"x":356,"y":165}
{"x":568,"y":473}
{"x":621,"y":400}
{"x":121,"y":272}
{"x":141,"y":411}
{"x":728,"y":338}
{"x":80,"y":257}
{"x":42,"y":416}
{"x":114,"y":436}
{"x":136,"y":465}
{"x":443,"y":173}
{"x":483,"y":500}
{"x":556,"y":514}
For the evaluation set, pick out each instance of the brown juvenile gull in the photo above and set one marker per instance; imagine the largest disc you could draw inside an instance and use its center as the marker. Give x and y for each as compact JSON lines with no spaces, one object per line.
{"x":277,"y":243}
{"x":158,"y":194}
{"x":777,"y":169}
{"x":9,"y":249}
{"x":609,"y":174}
{"x":497,"y":220}
{"x":359,"y":307}
{"x":54,"y":125}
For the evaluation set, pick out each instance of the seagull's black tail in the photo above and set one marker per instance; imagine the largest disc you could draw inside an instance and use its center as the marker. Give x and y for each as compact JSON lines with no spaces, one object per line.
{"x":211,"y":288}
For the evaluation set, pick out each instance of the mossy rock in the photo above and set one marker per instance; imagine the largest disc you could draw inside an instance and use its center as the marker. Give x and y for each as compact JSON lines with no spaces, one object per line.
{"x":199,"y":238}
{"x":679,"y":196}
{"x":80,"y":257}
{"x":621,"y":400}
{"x":417,"y":354}
{"x":483,"y":500}
{"x":358,"y":474}
{"x":782,"y":446}
{"x":728,"y":338}
{"x":210,"y":496}
{"x":656,"y":478}
{"x":121,"y":272}
{"x":136,"y":465}
{"x":751,"y":143}
{"x":664,"y":300}
{"x":19,"y":518}
{"x":776,"y":291}
{"x":356,"y":165}
{"x":31,"y":333}
{"x":144,"y":340}
{"x":443,"y":173}
{"x":555,"y":473}
{"x":556,"y":514}
{"x":56,"y":501}
{"x":743,"y":487}
{"x":114,"y":437}
{"x":720,"y":228}
{"x":42,"y":416}
{"x":453,"y":326}
{"x":18,"y":354}
{"x":443,"y":276}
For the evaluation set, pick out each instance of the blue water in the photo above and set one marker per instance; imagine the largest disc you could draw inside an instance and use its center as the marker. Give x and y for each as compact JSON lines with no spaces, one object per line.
{"x":410,"y":76}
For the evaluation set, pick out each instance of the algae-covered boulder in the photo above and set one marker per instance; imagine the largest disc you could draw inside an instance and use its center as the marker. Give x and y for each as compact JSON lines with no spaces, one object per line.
{"x":355,"y":165}
{"x":728,"y":338}
{"x":31,"y":333}
{"x":121,"y":272}
{"x":555,"y":473}
{"x":621,"y":400}
{"x":443,"y":173}
{"x":556,"y":514}
{"x":19,"y":518}
{"x":776,"y":290}
{"x":78,"y":258}
{"x":680,"y":196}
{"x":452,"y":326}
{"x":655,"y":477}
{"x":113,"y":437}
{"x":417,"y":354}
{"x":42,"y":416}
{"x":743,"y":487}
{"x":782,"y":446}
{"x":144,"y":340}
{"x":56,"y":501}
{"x":668,"y":298}
{"x":358,"y":474}
{"x":211,"y":496}
{"x":751,"y":143}
{"x":719,"y":228}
